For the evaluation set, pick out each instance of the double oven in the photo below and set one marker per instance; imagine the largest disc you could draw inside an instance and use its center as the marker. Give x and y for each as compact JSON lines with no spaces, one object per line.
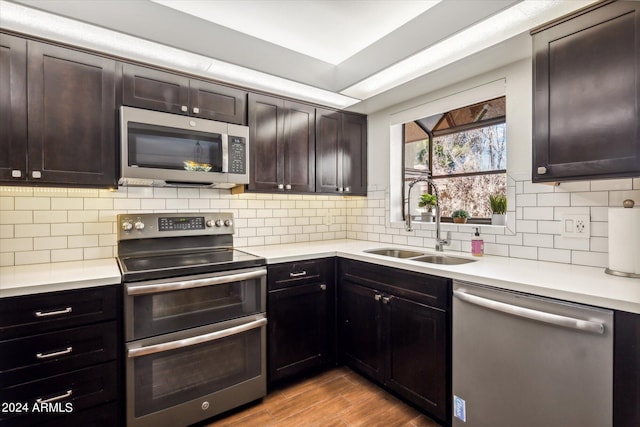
{"x":195,"y":321}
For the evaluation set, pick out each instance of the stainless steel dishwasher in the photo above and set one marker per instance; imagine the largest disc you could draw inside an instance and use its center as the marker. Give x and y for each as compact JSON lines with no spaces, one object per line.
{"x":526,"y":361}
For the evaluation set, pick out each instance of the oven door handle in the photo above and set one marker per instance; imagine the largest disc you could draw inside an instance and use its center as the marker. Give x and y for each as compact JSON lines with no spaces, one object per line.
{"x":212,"y":336}
{"x":197,"y":283}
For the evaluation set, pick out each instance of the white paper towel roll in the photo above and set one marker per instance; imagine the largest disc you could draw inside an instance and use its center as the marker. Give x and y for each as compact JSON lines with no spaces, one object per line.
{"x":624,"y":240}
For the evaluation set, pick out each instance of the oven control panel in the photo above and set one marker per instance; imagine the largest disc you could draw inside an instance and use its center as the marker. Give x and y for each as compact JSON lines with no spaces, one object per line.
{"x":138,"y":226}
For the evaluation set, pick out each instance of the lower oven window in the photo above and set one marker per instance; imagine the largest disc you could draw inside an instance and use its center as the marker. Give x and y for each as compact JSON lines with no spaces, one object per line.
{"x":167,"y":379}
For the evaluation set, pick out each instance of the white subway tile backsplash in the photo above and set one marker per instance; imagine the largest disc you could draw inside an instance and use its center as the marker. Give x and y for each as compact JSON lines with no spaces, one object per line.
{"x":593,"y":259}
{"x":612,"y":184}
{"x":82,"y":223}
{"x":50,"y":217}
{"x":554,"y":255}
{"x":67,"y":229}
{"x":526,"y":252}
{"x":58,"y":242}
{"x":537,"y":213}
{"x":33,"y":203}
{"x":67,"y":203}
{"x":32,"y":257}
{"x":600,"y":198}
{"x":32,"y":230}
{"x":16,"y":217}
{"x":16,"y":244}
{"x":62,"y":255}
{"x":554,"y":199}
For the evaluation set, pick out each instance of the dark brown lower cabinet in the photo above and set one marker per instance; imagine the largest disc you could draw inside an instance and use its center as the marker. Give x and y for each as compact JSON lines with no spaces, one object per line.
{"x":61,"y":358}
{"x":394,"y":327}
{"x":301,"y":313}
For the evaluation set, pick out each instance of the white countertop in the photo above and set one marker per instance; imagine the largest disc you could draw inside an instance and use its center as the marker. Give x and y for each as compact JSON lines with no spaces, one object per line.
{"x":586,"y":285}
{"x":39,"y":278}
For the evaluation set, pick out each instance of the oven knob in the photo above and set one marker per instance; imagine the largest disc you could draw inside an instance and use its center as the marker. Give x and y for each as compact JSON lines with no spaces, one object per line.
{"x":218,"y":223}
{"x":210,"y":223}
{"x":139,"y":225}
{"x":228,"y":223}
{"x":127,"y":225}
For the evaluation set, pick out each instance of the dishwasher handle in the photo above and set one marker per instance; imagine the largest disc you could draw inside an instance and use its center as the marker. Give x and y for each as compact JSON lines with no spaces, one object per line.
{"x":540,"y":316}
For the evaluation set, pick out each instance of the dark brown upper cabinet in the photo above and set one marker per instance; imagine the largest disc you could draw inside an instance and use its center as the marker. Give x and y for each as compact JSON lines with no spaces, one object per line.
{"x":282,"y":141}
{"x":70,"y":116}
{"x":586,"y":83}
{"x":13,"y":108}
{"x":341,"y":153}
{"x":172,"y":93}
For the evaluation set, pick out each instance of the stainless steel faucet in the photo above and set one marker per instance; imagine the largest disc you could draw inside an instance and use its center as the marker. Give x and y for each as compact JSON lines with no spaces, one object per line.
{"x":440,"y":243}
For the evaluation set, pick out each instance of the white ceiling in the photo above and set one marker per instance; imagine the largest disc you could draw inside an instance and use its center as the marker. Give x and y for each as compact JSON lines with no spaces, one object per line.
{"x":332,"y":45}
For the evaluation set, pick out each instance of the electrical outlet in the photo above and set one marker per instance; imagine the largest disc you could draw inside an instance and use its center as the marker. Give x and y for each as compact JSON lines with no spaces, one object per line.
{"x":328,"y":219}
{"x":578,"y":226}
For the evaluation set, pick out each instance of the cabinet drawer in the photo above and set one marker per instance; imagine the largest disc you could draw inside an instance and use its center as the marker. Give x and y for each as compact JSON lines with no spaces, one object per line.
{"x":299,"y":273}
{"x":39,"y":356}
{"x":430,"y":290}
{"x":78,"y":390}
{"x":31,"y":314}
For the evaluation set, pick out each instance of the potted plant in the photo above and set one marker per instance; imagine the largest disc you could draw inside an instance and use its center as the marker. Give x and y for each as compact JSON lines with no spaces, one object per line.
{"x":460,"y":216}
{"x":428,"y":202}
{"x":498,"y":203}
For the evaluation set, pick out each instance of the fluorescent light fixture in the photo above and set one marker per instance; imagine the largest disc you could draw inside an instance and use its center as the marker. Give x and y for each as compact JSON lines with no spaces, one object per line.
{"x":502,"y":26}
{"x":53,"y":27}
{"x":328,"y":30}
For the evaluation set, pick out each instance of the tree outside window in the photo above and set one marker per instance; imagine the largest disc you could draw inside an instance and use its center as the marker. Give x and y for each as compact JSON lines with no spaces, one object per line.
{"x":464,"y":151}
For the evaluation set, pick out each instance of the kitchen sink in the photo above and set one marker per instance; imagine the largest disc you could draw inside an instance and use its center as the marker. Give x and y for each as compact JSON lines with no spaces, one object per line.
{"x":396,"y":253}
{"x":443,"y":259}
{"x":420,"y":256}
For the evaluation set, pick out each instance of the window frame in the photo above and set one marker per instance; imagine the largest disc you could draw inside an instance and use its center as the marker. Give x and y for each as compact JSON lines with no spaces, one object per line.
{"x":433,"y":134}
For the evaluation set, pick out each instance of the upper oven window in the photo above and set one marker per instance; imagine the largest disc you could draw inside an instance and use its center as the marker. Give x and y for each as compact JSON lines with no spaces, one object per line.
{"x":160,"y":147}
{"x":162,"y":312}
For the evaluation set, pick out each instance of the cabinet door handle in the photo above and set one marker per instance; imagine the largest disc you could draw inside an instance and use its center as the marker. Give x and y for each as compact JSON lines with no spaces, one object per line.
{"x":36,"y":174}
{"x":280,"y":186}
{"x":386,"y":300}
{"x":323,"y":287}
{"x":347,"y":189}
{"x":64,"y":395}
{"x":287,"y":187}
{"x":54,"y":312}
{"x":54,"y":353}
{"x":377,"y":297}
{"x":15,"y":173}
{"x":196,"y":110}
{"x":542,"y":170}
{"x":300,"y":274}
{"x":184,"y":108}
{"x":340,"y":189}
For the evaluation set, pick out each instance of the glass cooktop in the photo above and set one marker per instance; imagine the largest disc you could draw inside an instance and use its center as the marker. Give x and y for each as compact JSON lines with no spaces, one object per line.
{"x":147,"y":267}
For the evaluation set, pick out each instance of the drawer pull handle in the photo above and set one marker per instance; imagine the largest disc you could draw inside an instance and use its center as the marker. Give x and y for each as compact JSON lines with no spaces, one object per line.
{"x":323,"y":287}
{"x":64,"y":395}
{"x":300,"y":274}
{"x":53,"y":313}
{"x":54,"y":353}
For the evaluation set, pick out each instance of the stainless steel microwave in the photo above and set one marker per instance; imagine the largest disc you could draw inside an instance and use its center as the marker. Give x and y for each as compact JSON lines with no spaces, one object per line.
{"x":168,"y":149}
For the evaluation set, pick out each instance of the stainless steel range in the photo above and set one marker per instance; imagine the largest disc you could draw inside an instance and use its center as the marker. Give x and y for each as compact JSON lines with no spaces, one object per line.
{"x":195,"y":321}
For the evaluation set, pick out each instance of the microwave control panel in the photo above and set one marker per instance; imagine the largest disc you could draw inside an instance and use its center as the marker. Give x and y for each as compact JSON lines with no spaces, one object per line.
{"x":237,"y":155}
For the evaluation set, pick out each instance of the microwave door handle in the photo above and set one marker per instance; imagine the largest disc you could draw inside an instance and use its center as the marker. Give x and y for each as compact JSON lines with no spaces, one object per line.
{"x":225,"y":153}
{"x":212,"y":336}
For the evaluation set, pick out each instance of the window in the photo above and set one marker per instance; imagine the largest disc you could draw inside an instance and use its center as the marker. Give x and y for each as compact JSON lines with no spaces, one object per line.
{"x":464,"y":151}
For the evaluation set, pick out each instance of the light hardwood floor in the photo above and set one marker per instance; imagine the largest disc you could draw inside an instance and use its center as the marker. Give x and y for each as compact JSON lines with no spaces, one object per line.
{"x":338,"y":397}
